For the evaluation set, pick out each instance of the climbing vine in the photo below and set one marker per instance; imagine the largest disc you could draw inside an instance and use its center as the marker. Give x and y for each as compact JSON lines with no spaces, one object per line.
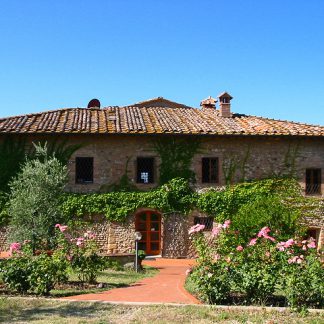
{"x":176,"y":156}
{"x":177,"y":196}
{"x":116,"y":206}
{"x":233,"y":162}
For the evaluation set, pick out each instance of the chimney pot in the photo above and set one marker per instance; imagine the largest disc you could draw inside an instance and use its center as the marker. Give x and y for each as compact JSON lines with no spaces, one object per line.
{"x":225,"y":104}
{"x":208,"y":103}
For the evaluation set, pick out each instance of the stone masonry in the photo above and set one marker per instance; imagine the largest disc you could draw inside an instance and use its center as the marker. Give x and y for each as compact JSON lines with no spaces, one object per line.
{"x":251,"y":157}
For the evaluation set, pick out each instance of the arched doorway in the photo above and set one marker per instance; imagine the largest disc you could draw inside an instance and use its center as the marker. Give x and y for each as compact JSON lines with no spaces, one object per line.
{"x":148,"y":222}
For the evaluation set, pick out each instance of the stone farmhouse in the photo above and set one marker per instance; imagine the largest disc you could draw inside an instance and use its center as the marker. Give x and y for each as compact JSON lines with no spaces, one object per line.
{"x":118,"y":140}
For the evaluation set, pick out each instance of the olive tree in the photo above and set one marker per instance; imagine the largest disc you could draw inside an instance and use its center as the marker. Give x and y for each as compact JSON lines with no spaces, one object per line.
{"x":34,"y":203}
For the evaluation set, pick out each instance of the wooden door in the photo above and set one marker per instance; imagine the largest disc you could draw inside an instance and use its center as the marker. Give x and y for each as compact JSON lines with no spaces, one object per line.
{"x":149,"y":224}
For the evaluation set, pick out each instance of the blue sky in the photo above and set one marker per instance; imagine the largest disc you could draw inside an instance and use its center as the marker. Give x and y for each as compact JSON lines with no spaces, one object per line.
{"x":269,"y":55}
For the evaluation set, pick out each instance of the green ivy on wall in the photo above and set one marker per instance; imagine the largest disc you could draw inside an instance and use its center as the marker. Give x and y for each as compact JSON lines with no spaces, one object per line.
{"x":116,"y":206}
{"x":176,"y":156}
{"x":177,"y":195}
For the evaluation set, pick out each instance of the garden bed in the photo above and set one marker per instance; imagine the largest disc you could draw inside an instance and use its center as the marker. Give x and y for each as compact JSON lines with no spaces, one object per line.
{"x":108,"y":279}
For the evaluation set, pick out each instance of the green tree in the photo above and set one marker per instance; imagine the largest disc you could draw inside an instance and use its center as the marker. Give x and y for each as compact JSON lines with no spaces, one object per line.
{"x":34,"y":205}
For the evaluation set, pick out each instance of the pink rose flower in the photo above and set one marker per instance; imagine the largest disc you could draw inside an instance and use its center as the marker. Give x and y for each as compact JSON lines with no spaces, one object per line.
{"x":80,"y":241}
{"x":264,"y":231}
{"x":216,"y":257}
{"x":216,"y":230}
{"x":227,"y":224}
{"x":188,"y":271}
{"x":311,"y":245}
{"x":239,"y":248}
{"x":196,"y":228}
{"x":62,"y":228}
{"x":281,"y":246}
{"x":253,"y":242}
{"x":289,"y":243}
{"x":14,"y":247}
{"x":269,"y":238}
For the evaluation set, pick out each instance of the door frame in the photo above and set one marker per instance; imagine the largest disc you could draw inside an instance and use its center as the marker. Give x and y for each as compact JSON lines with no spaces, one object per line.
{"x":147,"y":231}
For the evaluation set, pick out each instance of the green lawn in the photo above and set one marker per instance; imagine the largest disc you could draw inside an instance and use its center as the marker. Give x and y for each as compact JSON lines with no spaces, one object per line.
{"x":20,"y":310}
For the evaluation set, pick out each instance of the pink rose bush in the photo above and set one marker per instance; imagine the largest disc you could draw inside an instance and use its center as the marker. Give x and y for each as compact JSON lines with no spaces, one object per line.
{"x":255,"y":268}
{"x":82,"y":253}
{"x":14,"y":248}
{"x":38,"y":271}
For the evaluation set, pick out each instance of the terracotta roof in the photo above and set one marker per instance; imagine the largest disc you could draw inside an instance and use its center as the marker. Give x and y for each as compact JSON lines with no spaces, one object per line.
{"x":159,"y":102}
{"x":151,"y":120}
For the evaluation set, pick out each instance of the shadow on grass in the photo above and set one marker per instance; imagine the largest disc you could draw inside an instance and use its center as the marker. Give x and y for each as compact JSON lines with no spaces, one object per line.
{"x":34,"y":310}
{"x":74,"y":292}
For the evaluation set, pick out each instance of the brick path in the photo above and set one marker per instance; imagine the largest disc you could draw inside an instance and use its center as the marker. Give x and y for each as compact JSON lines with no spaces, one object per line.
{"x":4,"y":255}
{"x":165,"y":287}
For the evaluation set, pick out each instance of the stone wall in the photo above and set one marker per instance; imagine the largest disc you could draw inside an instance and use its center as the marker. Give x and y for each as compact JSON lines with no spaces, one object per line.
{"x":253,"y":158}
{"x":4,"y":244}
{"x":250,"y":157}
{"x":175,"y":236}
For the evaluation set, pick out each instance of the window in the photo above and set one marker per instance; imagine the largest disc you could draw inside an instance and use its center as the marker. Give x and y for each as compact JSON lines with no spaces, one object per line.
{"x":84,"y":170}
{"x":145,"y":170}
{"x":313,"y":181}
{"x":207,"y":221}
{"x":210,"y":170}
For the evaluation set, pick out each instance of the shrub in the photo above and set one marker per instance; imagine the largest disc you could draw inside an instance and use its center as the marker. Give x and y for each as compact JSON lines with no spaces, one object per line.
{"x":36,"y":274}
{"x":45,"y":272}
{"x":212,"y":275}
{"x":213,"y":280}
{"x":15,"y":274}
{"x":257,"y":273}
{"x":302,"y":276}
{"x":256,"y":268}
{"x":82,"y":252}
{"x":268,"y":211}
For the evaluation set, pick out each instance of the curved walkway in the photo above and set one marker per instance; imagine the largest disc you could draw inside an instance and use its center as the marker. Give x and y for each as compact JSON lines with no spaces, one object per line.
{"x":165,"y":287}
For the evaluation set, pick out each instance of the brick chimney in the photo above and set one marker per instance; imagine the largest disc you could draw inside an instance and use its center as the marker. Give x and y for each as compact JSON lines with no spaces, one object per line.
{"x":225,"y":104}
{"x":208,"y":103}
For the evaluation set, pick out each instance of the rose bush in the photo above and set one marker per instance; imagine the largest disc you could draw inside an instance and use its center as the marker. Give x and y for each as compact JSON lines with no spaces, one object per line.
{"x":257,"y":268}
{"x":82,"y":252}
{"x":27,"y":272}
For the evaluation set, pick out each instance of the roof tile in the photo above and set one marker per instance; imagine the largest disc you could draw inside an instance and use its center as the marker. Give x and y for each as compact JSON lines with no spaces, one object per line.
{"x":151,"y":120}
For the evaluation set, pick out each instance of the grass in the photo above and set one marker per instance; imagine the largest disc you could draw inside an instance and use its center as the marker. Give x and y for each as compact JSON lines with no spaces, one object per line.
{"x":21,"y":310}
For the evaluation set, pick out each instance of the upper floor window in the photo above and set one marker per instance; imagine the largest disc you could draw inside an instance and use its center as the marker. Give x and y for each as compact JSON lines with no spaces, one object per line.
{"x":210,"y":170}
{"x":145,"y":170}
{"x":84,"y":169}
{"x":313,"y":181}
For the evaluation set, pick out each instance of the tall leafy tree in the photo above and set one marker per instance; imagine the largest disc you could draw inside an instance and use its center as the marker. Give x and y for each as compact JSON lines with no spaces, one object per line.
{"x":34,"y":206}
